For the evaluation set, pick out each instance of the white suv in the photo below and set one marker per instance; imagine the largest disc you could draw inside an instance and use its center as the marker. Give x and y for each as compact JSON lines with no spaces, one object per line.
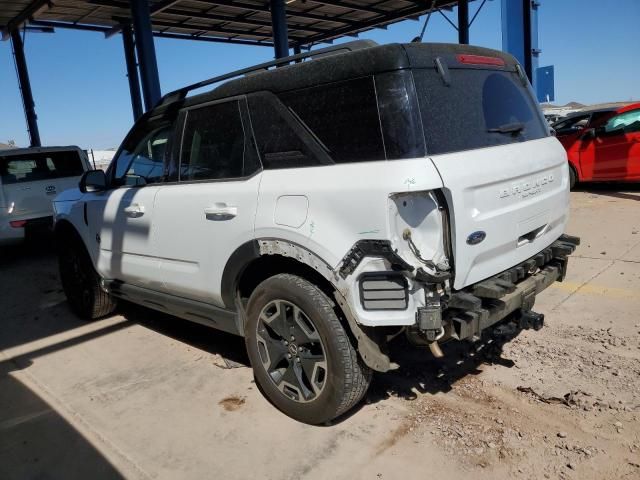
{"x":30,"y":178}
{"x":320,"y":208}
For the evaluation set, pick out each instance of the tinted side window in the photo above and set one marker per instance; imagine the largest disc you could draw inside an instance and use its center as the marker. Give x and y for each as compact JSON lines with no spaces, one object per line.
{"x":213,"y":143}
{"x":399,"y":115}
{"x":343,"y":117}
{"x":40,"y":166}
{"x":142,"y":158}
{"x":281,"y":141}
{"x":598,"y":118}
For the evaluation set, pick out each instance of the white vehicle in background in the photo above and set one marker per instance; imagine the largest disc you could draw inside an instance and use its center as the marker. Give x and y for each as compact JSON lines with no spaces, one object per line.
{"x":30,"y":178}
{"x":323,"y":208}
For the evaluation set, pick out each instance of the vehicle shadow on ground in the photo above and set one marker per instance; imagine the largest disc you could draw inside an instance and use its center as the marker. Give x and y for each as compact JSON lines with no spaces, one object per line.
{"x":215,"y":342}
{"x":36,"y":441}
{"x":421,"y":373}
{"x":35,"y":247}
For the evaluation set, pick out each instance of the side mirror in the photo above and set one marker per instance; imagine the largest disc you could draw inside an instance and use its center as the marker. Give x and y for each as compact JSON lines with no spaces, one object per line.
{"x":588,"y":134}
{"x":93,"y":181}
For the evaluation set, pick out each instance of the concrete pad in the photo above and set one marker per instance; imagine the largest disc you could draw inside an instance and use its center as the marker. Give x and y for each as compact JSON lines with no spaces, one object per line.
{"x":143,"y":395}
{"x":633,"y":254}
{"x":37,"y":442}
{"x":611,"y":299}
{"x":605,"y":222}
{"x":580,"y":271}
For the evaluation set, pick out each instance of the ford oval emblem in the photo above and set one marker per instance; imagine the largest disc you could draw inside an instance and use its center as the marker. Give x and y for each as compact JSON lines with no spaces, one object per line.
{"x":476,"y":237}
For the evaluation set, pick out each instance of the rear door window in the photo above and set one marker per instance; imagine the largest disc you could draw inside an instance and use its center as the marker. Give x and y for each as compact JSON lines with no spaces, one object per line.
{"x":478,"y":108}
{"x":40,"y":166}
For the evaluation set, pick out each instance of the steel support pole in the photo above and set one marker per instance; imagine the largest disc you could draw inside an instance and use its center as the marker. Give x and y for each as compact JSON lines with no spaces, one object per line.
{"x":25,"y":89}
{"x":279,"y":26}
{"x":520,"y":33}
{"x":463,"y":21}
{"x":132,"y":71}
{"x":146,"y":52}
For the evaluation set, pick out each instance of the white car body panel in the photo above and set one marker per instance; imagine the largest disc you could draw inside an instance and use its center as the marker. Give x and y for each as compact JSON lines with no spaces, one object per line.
{"x":121,"y":227}
{"x":515,"y":190}
{"x":175,"y":248}
{"x":345,"y":203}
{"x":192,"y":246}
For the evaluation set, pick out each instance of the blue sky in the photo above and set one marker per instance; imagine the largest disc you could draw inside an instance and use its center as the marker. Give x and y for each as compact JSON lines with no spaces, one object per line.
{"x":82,"y":95}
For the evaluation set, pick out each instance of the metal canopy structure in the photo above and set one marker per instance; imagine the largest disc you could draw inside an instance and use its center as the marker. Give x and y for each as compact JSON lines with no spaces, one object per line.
{"x":308,"y":22}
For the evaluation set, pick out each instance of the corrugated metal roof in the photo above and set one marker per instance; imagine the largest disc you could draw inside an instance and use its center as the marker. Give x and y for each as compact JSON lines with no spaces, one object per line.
{"x":249,"y":21}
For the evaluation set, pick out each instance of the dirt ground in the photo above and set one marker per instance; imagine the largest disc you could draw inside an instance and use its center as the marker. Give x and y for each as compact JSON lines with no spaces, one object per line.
{"x":142,"y":395}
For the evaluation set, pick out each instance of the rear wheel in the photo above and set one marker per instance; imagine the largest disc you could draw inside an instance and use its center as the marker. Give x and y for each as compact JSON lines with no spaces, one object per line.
{"x":301,"y":354}
{"x":81,"y":283}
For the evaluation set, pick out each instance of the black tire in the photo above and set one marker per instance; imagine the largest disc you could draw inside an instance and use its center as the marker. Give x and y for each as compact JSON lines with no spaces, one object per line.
{"x":573,"y":178}
{"x":81,"y":283}
{"x":317,"y":338}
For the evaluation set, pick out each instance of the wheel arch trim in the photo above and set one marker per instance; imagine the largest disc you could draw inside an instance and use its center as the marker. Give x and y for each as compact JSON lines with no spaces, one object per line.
{"x":244,"y":255}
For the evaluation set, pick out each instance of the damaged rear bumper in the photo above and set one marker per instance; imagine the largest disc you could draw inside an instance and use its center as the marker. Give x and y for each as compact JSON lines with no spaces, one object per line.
{"x":482,"y":305}
{"x":430,"y":314}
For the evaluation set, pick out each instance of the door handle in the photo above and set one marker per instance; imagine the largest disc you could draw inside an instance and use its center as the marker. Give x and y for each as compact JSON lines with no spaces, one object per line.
{"x":134,"y":211}
{"x":220,"y":211}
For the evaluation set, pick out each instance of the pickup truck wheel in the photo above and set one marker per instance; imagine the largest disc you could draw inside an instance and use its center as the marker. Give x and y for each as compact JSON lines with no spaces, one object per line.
{"x":81,"y":283}
{"x":301,"y":354}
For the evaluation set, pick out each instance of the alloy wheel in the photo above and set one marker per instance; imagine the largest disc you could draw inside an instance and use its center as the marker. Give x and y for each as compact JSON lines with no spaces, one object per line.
{"x":291,"y":351}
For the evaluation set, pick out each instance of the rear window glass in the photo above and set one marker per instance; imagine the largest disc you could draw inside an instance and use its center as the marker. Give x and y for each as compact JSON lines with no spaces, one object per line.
{"x":343,"y":117}
{"x":40,"y":166}
{"x":480,"y":108}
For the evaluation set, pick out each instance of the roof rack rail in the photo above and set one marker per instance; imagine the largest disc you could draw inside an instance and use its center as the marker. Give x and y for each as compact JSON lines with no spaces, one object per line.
{"x":181,"y":93}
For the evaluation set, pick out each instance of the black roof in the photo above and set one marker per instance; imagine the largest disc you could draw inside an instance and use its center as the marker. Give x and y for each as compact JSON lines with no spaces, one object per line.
{"x":366,"y":58}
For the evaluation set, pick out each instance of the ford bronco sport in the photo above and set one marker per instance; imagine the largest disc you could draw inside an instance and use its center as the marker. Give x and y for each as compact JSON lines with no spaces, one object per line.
{"x":321,"y":207}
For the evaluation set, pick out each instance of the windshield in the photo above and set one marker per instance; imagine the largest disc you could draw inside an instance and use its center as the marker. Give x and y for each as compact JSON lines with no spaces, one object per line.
{"x":36,"y":166}
{"x":478,"y":108}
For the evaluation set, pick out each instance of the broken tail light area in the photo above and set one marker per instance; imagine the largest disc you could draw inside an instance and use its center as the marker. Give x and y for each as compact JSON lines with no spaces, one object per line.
{"x":480,"y":60}
{"x":18,"y":223}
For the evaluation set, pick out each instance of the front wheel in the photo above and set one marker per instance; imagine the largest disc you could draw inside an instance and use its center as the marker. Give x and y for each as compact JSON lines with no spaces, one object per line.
{"x":81,"y":283}
{"x":301,"y":354}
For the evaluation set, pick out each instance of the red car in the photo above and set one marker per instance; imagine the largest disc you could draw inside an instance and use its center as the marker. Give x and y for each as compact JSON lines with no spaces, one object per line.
{"x":602,"y":145}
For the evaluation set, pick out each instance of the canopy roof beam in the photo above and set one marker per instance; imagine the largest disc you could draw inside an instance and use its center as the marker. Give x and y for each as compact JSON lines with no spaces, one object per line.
{"x":25,"y":15}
